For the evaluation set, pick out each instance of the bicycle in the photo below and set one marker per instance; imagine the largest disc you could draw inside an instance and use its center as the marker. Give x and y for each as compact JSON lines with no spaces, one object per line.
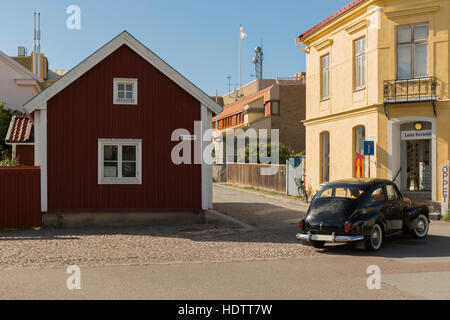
{"x":301,"y":188}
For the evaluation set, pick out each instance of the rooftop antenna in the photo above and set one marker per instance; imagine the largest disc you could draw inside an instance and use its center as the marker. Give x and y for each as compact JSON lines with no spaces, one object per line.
{"x":229,"y":83}
{"x":258,"y":61}
{"x":34,"y":47}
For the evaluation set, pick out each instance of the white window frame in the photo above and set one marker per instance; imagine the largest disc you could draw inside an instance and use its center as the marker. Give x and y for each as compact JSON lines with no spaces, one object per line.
{"x":412,"y":43}
{"x":119,"y":142}
{"x":360,"y":64}
{"x":125,"y":81}
{"x":325,"y":70}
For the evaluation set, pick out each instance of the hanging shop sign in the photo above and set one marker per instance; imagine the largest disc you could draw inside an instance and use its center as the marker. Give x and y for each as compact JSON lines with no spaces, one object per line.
{"x":417,"y":135}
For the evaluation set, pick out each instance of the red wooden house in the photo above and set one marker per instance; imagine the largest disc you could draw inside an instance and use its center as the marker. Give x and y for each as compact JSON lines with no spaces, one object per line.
{"x":102,"y":137}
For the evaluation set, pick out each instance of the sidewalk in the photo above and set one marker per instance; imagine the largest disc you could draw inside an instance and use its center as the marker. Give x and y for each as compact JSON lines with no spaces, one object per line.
{"x":282,"y":198}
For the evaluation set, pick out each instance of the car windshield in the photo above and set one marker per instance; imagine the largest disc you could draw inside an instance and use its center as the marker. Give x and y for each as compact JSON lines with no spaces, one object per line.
{"x":349,"y":192}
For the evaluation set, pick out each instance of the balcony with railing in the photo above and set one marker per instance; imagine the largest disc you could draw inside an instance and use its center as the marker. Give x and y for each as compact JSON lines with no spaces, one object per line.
{"x":410,"y":90}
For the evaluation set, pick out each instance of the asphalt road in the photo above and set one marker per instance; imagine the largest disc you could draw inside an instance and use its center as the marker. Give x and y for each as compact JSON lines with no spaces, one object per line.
{"x":410,"y":269}
{"x":420,"y":268}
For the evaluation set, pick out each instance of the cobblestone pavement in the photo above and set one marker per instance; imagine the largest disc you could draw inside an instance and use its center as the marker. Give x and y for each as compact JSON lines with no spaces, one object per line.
{"x":142,"y":245}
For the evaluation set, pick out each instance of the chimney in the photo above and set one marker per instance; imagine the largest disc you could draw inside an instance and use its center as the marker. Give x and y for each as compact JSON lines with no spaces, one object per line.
{"x":21,"y":51}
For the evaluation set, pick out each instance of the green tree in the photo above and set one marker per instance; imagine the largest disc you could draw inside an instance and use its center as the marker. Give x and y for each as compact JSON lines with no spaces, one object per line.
{"x":5,"y":119}
{"x":285,"y":152}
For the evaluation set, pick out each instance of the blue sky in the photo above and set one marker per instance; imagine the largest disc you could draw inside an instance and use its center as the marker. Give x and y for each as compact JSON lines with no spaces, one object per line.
{"x":199,"y":38}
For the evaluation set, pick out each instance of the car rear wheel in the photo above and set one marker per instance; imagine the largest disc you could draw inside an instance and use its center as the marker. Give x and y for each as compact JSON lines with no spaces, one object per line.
{"x":374,"y":241}
{"x":422,"y":226}
{"x":318,"y":244}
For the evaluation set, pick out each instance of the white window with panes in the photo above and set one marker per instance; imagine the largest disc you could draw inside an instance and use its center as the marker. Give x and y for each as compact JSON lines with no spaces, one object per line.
{"x":412,"y":51}
{"x":325,"y":77}
{"x":119,"y":161}
{"x":360,"y":64}
{"x":125,"y":91}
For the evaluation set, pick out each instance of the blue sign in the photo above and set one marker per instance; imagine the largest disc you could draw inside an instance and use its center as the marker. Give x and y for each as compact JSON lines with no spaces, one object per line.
{"x":369,"y":148}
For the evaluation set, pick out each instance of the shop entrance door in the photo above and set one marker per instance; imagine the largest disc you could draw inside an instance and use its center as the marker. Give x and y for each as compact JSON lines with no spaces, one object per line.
{"x":418,"y":165}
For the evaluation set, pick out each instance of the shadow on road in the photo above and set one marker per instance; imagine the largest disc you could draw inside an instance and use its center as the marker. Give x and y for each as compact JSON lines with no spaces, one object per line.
{"x":261,"y":215}
{"x":273,"y":224}
{"x":400,"y":246}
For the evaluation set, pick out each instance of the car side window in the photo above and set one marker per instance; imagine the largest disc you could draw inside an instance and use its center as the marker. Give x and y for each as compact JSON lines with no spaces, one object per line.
{"x":391,"y":192}
{"x":399,"y":194}
{"x":378,"y":195}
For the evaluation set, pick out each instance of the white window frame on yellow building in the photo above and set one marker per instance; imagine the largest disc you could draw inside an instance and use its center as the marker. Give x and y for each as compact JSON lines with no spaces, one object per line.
{"x":413,"y":43}
{"x":362,"y":55}
{"x":324,"y":97}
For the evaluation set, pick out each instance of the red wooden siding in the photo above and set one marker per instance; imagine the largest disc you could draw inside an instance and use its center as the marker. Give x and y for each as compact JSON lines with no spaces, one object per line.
{"x":84,"y":112}
{"x":25,"y":154}
{"x":20,"y":200}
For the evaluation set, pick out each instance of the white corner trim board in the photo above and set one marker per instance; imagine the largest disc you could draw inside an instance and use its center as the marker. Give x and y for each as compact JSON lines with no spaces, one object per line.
{"x":122,"y":39}
{"x":206,"y":117}
{"x":43,"y":156}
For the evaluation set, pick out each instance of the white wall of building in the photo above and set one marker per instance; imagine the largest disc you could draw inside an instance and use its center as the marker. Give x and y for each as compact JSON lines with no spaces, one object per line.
{"x":16,"y":86}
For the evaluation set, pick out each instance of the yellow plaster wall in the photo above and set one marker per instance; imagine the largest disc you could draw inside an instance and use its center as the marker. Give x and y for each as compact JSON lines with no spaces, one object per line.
{"x":377,"y":20}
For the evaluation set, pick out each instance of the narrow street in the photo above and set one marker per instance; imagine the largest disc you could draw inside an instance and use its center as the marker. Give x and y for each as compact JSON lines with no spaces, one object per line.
{"x":220,"y":260}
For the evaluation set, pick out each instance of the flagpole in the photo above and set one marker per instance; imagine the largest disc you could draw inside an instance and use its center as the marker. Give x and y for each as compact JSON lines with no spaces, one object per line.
{"x":240,"y":58}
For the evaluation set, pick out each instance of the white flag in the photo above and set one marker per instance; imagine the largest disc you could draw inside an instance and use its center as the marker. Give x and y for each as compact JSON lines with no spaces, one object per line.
{"x":243,"y":33}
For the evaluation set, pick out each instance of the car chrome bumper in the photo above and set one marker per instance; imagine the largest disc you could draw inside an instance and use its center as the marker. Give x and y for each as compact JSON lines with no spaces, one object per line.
{"x":328,"y":238}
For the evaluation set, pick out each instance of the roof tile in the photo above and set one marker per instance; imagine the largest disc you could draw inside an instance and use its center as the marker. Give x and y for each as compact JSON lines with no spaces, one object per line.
{"x":21,"y":130}
{"x":335,"y":15}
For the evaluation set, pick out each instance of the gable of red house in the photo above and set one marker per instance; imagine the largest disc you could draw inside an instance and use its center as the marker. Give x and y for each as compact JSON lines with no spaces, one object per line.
{"x":79,"y":125}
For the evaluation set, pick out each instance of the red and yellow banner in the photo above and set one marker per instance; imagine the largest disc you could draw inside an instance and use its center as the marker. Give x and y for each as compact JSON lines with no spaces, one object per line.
{"x":359,"y":165}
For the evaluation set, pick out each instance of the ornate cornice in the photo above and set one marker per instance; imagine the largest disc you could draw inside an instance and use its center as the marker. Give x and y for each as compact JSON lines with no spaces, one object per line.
{"x":323,"y":44}
{"x":355,"y":27}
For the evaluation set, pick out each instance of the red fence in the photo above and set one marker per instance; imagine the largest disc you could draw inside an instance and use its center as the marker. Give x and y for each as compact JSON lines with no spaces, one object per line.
{"x":20,"y":200}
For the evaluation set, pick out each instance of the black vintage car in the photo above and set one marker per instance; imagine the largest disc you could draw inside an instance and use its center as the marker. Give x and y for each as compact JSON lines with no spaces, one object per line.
{"x":361,"y":210}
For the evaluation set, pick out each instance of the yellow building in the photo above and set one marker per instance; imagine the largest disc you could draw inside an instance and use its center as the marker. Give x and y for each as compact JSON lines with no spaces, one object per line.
{"x":379,"y":71}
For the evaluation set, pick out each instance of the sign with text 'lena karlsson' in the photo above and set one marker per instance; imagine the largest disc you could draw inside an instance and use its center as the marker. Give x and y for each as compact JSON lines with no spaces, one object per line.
{"x":445,"y":188}
{"x":417,"y":135}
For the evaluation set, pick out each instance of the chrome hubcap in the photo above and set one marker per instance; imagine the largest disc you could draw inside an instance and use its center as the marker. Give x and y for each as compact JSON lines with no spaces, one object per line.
{"x":376,"y":237}
{"x":422,"y":226}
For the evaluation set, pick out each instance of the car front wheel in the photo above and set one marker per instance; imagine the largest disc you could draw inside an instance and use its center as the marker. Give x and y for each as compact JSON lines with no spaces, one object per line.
{"x":422,"y":226}
{"x":374,"y":241}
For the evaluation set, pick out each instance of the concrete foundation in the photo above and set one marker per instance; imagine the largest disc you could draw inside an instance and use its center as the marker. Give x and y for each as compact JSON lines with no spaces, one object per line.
{"x":114,"y":219}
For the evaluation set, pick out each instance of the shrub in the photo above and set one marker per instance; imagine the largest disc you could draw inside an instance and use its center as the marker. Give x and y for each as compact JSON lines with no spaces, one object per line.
{"x":7,"y":162}
{"x":446,"y":217}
